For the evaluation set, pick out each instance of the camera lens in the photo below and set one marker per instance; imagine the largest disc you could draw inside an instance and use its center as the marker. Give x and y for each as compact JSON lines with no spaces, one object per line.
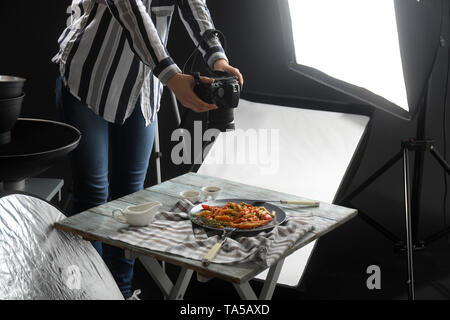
{"x":221,"y":119}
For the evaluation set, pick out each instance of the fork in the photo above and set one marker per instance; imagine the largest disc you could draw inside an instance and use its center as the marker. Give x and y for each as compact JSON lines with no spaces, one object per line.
{"x":216,"y":248}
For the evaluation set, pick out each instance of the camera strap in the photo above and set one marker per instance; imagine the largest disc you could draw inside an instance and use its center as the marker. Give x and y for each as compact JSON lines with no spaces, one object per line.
{"x":196,"y":76}
{"x":206,"y":35}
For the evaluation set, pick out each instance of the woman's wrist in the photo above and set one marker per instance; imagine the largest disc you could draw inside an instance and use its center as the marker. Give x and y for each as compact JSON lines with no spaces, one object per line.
{"x":220,"y":64}
{"x":171,"y":83}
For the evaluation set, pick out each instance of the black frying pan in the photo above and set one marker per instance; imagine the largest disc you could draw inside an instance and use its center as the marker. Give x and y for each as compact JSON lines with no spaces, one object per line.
{"x":280,"y":215}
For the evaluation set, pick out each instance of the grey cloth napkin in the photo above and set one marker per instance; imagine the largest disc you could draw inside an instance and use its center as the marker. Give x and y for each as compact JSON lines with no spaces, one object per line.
{"x":173,"y":232}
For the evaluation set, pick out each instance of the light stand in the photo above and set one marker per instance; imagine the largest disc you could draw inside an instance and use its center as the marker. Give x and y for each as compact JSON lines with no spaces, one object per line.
{"x":419,"y":146}
{"x":157,"y":149}
{"x":409,"y":240}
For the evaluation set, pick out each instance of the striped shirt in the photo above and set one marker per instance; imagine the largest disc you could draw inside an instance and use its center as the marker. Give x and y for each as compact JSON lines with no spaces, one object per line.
{"x":114,"y":51}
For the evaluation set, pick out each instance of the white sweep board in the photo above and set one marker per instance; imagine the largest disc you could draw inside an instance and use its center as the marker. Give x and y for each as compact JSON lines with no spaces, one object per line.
{"x":299,"y":151}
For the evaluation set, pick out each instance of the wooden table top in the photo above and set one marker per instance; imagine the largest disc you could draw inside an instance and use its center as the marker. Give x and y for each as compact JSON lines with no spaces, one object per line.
{"x":97,"y":223}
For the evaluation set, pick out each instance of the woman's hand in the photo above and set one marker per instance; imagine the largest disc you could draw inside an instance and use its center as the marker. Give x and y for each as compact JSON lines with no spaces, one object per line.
{"x":222,"y":65}
{"x":183,"y":87}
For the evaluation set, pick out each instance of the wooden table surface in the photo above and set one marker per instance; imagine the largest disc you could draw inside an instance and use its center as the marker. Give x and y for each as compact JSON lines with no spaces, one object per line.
{"x":98,"y":224}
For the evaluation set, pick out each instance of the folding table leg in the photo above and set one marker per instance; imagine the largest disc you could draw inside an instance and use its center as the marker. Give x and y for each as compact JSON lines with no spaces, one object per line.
{"x":246,"y":292}
{"x":157,"y":273}
{"x":271,"y":281}
{"x":169,"y":290}
{"x":178,"y":290}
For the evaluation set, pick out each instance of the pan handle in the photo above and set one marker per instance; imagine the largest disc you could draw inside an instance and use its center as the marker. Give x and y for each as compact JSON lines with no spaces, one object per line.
{"x":212,"y":253}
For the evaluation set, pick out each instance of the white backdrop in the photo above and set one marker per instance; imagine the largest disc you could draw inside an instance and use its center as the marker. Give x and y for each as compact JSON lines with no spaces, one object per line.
{"x":298,"y":151}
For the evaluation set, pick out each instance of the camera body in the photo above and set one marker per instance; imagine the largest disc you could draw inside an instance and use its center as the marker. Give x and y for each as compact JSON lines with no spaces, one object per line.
{"x":224,"y":92}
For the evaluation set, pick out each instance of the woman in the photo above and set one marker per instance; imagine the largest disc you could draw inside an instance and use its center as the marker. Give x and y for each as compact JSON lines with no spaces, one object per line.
{"x":113,"y":64}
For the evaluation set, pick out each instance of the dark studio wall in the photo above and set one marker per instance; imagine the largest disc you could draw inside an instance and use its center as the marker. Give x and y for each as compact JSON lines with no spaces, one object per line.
{"x":28,"y":32}
{"x":337,"y":269}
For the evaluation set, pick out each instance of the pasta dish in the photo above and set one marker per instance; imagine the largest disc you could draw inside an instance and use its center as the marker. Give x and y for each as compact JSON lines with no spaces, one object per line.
{"x":233,"y":215}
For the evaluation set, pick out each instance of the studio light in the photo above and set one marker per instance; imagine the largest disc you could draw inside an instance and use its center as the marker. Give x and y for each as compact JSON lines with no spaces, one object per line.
{"x":381,"y":53}
{"x":364,"y":49}
{"x":351,"y":40}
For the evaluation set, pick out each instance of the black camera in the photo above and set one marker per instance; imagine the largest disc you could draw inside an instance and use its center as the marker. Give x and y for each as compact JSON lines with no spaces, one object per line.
{"x":224,"y":92}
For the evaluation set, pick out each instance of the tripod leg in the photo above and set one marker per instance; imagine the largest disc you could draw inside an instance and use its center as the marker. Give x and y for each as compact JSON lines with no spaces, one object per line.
{"x":157,"y":147}
{"x":175,"y":108}
{"x":444,"y":164}
{"x":409,"y":244}
{"x":373,"y":177}
{"x":374,"y":224}
{"x":365,"y":184}
{"x":158,"y":153}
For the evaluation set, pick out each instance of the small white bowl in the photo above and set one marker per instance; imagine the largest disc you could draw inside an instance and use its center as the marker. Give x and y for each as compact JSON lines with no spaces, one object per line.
{"x":191,"y":195}
{"x":211,"y":191}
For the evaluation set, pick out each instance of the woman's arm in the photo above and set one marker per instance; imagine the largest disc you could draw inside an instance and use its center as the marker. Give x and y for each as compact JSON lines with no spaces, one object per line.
{"x":197,"y":19}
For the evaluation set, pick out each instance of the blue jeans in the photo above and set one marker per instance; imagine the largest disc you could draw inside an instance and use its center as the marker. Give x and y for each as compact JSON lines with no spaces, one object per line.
{"x":131,"y":145}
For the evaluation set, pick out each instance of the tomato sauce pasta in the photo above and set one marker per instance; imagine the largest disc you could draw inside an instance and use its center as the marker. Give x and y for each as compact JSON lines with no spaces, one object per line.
{"x":240,"y":216}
